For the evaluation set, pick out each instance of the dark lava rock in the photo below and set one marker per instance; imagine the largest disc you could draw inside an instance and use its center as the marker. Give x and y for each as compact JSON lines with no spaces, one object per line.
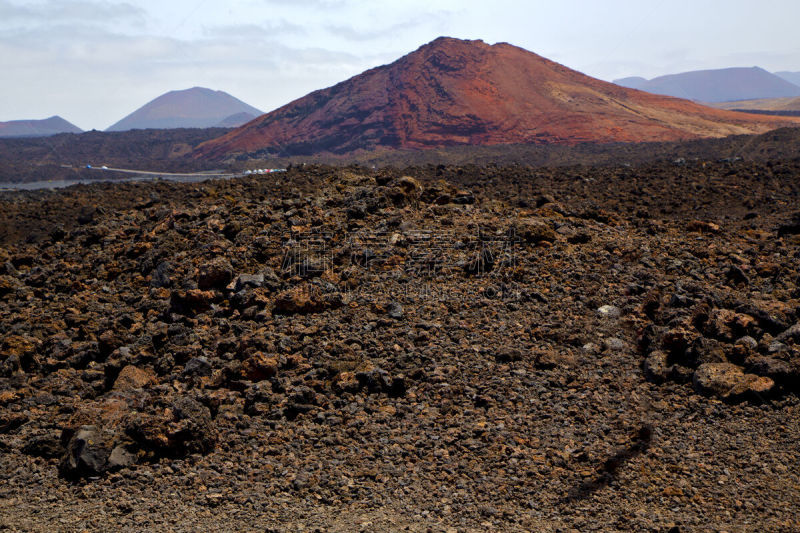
{"x":395,"y":310}
{"x":197,"y":366}
{"x":252,"y":281}
{"x":656,"y":368}
{"x":87,"y":452}
{"x":215,"y":274}
{"x":161,"y":276}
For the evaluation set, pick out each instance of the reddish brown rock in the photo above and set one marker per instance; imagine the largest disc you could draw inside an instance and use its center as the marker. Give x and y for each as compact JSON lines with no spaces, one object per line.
{"x":259,"y":367}
{"x":131,"y":377}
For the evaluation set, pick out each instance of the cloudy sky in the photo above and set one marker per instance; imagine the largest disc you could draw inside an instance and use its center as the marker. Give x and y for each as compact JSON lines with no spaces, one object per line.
{"x":95,"y":61}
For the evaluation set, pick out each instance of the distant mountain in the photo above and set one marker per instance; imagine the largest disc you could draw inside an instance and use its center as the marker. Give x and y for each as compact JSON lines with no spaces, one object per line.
{"x":37,"y":128}
{"x":791,"y":77}
{"x":634,"y":82}
{"x":722,"y":85}
{"x":191,"y":108}
{"x":454,"y":92}
{"x":234,"y":121}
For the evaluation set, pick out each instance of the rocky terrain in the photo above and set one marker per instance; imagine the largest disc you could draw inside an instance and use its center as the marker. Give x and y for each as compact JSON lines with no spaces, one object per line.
{"x":65,"y":156}
{"x":453,"y":92}
{"x":442,"y":348}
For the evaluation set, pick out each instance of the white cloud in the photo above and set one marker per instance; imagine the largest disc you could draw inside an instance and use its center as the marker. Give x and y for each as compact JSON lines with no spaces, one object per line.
{"x":93,"y":61}
{"x":43,"y":13}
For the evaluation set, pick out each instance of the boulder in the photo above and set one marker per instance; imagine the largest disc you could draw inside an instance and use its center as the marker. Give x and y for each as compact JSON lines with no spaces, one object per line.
{"x":87,"y":453}
{"x":535,"y":231}
{"x":259,"y":367}
{"x":729,"y":382}
{"x":656,"y":368}
{"x":215,"y":274}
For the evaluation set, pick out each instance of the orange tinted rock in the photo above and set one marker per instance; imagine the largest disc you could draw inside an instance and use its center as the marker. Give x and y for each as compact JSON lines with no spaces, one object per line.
{"x":132,"y":377}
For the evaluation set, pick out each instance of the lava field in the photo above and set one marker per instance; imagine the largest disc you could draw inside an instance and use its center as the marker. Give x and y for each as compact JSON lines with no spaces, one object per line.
{"x":439,"y":348}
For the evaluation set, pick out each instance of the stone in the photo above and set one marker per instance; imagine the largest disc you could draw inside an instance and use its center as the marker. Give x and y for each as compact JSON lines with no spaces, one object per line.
{"x":87,"y":453}
{"x":131,"y":378}
{"x":613,"y":344}
{"x":729,"y":382}
{"x":215,"y":274}
{"x":120,"y":457}
{"x":248,"y":281}
{"x":260,"y":367}
{"x":791,"y":335}
{"x":395,"y":310}
{"x":191,"y":301}
{"x":161,"y":276}
{"x":8,"y":284}
{"x":346,"y":382}
{"x":197,"y":366}
{"x":778,"y":370}
{"x":181,"y":428}
{"x":535,"y":231}
{"x":717,"y":378}
{"x":656,"y":367}
{"x":609,"y":311}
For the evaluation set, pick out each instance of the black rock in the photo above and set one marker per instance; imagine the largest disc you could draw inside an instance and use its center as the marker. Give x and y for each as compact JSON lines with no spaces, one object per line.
{"x":197,"y":366}
{"x":395,"y":310}
{"x":161,"y":275}
{"x":86,"y":454}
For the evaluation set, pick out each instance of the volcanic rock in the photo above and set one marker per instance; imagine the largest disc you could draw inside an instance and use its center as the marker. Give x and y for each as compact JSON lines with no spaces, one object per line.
{"x":131,"y":377}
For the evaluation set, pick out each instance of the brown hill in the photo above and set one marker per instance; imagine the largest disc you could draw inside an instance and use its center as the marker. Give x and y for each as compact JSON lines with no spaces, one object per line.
{"x":454,"y":92}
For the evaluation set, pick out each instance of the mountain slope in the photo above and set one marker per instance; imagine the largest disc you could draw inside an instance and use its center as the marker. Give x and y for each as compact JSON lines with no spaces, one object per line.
{"x":453,"y":92}
{"x":791,"y":77}
{"x":234,"y":121}
{"x":191,"y":108}
{"x":37,"y":128}
{"x":634,"y":82}
{"x":721,"y":85}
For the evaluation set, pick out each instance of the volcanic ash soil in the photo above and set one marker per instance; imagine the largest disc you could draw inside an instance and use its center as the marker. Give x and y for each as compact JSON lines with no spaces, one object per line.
{"x":438,"y":349}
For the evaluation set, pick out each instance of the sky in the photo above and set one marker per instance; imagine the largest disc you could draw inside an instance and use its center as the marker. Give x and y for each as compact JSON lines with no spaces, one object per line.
{"x":95,"y":61}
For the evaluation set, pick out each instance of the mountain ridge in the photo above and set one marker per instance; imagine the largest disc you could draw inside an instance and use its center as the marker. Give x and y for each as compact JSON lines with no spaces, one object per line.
{"x":716,"y":85}
{"x":37,"y":128}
